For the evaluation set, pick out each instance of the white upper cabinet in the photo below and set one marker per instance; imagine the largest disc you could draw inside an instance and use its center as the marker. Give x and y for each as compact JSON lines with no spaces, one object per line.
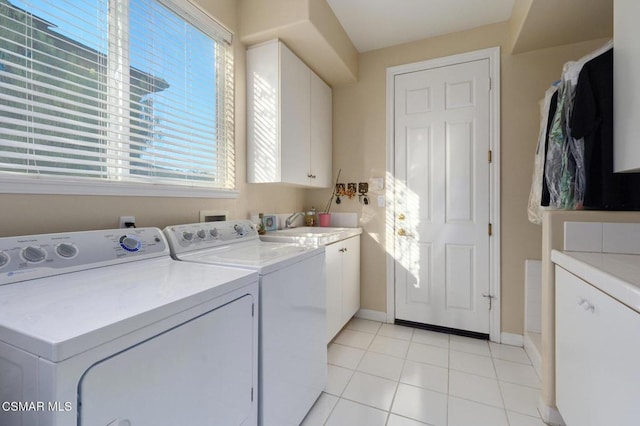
{"x":289,"y":131}
{"x":626,"y":69}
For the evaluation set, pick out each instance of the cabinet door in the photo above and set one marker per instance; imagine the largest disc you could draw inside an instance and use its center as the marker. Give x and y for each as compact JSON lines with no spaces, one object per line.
{"x":321,"y":133}
{"x":263,"y":108}
{"x":295,"y":118}
{"x":597,"y":353}
{"x":350,"y":277}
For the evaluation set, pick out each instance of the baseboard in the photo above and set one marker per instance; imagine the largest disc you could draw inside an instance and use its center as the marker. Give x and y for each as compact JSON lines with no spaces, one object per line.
{"x":512,"y":339}
{"x":550,"y":415}
{"x":534,"y":355}
{"x":369,"y":314}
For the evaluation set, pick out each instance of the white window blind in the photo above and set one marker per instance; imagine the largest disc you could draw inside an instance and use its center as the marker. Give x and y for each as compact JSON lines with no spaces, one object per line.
{"x":128,"y":91}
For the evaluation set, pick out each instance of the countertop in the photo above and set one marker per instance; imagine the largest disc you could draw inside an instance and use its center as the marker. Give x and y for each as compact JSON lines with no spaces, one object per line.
{"x":617,"y":275}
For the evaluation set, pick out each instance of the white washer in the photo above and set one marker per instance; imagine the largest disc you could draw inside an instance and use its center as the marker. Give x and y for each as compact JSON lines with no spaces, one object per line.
{"x":293,"y":351}
{"x":105,"y":328}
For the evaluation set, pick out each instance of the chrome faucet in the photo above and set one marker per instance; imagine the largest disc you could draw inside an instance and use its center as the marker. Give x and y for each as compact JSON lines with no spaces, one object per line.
{"x":290,"y":219}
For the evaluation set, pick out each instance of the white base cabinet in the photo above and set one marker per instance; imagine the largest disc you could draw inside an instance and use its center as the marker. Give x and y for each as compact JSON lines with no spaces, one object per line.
{"x":289,"y":119}
{"x":597,"y":356}
{"x":343,"y":283}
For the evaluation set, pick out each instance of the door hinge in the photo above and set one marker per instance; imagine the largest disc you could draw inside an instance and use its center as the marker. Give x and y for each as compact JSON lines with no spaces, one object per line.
{"x":490,"y":230}
{"x":490,"y":156}
{"x":251,"y":394}
{"x":489,"y":83}
{"x":253,"y":305}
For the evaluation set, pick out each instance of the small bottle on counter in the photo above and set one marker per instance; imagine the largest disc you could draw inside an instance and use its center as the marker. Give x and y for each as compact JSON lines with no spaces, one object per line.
{"x":311,"y":218}
{"x":261,"y":228}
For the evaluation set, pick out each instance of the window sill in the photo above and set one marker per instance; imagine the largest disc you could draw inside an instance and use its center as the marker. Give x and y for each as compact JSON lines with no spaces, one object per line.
{"x":10,"y":185}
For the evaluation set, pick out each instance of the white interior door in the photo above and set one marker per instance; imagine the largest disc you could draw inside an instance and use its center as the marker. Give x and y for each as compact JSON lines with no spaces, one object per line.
{"x":441,"y":123}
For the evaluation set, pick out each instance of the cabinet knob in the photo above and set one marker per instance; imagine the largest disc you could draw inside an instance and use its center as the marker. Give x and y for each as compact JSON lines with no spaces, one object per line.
{"x":588,"y":306}
{"x":401,"y":216}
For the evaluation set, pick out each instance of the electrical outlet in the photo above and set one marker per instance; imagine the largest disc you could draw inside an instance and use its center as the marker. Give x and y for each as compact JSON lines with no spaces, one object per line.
{"x":127,"y":221}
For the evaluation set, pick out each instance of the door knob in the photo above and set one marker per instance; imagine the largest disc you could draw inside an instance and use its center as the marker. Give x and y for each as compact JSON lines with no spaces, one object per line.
{"x":403,"y":233}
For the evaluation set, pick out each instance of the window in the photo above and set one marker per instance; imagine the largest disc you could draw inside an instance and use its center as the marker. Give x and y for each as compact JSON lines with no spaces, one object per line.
{"x":133,"y":92}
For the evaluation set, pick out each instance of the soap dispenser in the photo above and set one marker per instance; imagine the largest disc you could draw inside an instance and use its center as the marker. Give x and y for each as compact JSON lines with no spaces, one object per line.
{"x":311,"y":218}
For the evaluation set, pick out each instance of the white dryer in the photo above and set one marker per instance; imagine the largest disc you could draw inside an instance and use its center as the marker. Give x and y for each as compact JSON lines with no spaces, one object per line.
{"x":104,"y":328}
{"x":293,"y":351}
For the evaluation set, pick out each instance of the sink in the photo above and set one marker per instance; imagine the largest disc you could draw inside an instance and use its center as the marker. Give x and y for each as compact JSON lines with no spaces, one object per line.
{"x":310,"y":235}
{"x":307,"y":231}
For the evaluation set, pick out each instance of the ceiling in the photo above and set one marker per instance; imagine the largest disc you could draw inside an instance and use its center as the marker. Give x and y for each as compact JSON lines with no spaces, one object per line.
{"x":374,"y":24}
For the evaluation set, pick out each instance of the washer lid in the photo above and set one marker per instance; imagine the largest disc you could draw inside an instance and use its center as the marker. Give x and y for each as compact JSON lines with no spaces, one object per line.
{"x":61,"y":316}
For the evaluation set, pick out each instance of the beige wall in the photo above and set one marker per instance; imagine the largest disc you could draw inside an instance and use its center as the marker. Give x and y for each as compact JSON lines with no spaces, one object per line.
{"x":31,"y":214}
{"x":360,"y":150}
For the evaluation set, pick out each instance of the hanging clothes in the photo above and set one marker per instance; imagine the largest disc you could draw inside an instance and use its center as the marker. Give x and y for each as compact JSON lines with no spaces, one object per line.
{"x":592,"y":119}
{"x":578,"y":160}
{"x":554,"y":167}
{"x":552,"y":112}
{"x":569,"y":172}
{"x":537,"y":182}
{"x":573,"y":181}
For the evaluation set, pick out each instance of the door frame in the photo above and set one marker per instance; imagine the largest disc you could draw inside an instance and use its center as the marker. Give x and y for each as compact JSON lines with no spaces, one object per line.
{"x":493,"y":55}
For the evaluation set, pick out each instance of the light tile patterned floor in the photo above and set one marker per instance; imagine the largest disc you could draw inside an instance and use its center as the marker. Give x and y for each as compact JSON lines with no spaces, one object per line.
{"x":384,"y":374}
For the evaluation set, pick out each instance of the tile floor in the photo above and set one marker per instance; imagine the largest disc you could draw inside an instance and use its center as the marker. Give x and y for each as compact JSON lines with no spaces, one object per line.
{"x":384,"y":374}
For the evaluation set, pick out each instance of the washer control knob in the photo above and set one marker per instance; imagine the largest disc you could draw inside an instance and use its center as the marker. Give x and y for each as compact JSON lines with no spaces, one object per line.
{"x":187,"y":236}
{"x":66,"y":250}
{"x":201,"y":234}
{"x":130,"y":243}
{"x":34,"y":254}
{"x":4,"y":259}
{"x":213,"y":232}
{"x":239,"y":229}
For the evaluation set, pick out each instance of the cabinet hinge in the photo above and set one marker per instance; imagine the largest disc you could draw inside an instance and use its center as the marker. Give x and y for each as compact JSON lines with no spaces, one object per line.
{"x":490,"y":230}
{"x":489,"y":83}
{"x":490,"y":156}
